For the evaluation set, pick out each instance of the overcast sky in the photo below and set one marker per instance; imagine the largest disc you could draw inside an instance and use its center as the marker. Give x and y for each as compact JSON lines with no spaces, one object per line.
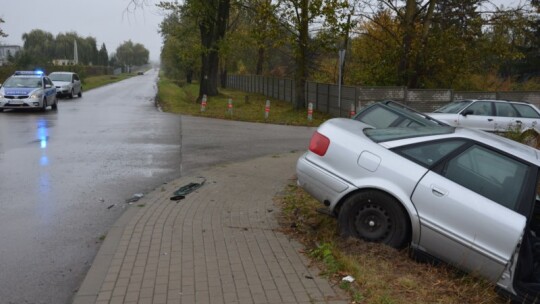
{"x":106,"y":20}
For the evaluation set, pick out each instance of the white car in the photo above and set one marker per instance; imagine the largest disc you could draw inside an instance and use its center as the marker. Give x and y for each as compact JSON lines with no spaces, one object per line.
{"x":28,"y":90}
{"x":67,"y":84}
{"x":490,"y":115}
{"x":459,"y":195}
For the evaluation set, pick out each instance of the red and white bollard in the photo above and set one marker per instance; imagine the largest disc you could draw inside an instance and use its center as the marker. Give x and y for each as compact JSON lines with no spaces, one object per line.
{"x":267,"y":110}
{"x":310,"y":111}
{"x":203,"y":103}
{"x":230,"y":107}
{"x":353,"y":111}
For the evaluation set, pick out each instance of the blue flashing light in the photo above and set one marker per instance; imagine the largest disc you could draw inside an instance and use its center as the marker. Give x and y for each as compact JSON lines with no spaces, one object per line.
{"x":36,"y":72}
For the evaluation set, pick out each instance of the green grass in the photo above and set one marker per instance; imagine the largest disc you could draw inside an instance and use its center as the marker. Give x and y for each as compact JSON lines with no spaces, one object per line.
{"x":181,"y":99}
{"x":382,"y":274}
{"x":98,"y":81}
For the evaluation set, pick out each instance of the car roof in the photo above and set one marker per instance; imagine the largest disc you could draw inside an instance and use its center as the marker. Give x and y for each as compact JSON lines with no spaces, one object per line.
{"x":495,"y":100}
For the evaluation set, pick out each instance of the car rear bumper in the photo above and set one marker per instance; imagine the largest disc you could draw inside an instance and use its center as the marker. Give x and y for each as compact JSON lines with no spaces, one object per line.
{"x":324,"y":186}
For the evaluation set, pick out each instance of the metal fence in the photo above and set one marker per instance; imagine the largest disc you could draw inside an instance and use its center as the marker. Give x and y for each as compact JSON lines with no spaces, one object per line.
{"x":325,"y":97}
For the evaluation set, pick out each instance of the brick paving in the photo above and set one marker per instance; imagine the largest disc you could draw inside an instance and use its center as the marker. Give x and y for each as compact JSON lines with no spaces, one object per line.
{"x":218,"y":245}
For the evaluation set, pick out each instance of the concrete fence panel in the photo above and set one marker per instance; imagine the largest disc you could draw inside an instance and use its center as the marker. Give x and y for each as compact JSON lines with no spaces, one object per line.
{"x":325,"y":96}
{"x":428,"y":100}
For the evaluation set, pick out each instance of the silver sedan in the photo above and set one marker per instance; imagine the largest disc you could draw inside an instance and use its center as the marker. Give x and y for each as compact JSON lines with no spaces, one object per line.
{"x":490,"y":115}
{"x":462,"y":196}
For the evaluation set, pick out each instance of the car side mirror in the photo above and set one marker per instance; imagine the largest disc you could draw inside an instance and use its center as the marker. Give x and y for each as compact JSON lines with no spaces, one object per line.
{"x":467,"y":112}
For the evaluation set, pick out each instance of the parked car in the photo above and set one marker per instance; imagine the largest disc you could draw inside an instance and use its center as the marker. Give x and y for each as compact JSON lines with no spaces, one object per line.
{"x":67,"y":84}
{"x":28,"y":90}
{"x":490,"y":115}
{"x":459,"y":195}
{"x":390,"y":113}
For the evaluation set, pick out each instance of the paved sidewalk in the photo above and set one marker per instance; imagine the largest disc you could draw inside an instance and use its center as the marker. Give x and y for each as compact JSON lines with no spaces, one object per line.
{"x":218,"y":245}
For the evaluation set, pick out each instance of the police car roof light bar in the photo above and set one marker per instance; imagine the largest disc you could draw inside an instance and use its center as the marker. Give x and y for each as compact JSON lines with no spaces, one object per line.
{"x":36,"y":72}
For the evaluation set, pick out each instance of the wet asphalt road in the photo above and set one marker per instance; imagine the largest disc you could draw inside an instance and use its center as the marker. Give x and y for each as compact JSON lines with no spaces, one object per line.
{"x":65,"y":176}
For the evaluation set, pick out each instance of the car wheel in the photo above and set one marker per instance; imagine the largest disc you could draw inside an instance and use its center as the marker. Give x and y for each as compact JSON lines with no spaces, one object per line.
{"x":71,"y":94}
{"x":80,"y":93}
{"x":55,"y":104}
{"x":374,"y":216}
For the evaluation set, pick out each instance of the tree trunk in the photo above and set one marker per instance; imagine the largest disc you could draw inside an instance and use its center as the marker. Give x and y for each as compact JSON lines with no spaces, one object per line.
{"x":260,"y":60}
{"x":419,"y":62}
{"x":212,"y":32}
{"x":408,"y":28}
{"x":189,"y":76}
{"x":223,"y":78}
{"x":206,"y":30}
{"x":345,"y":47}
{"x":300,"y":75}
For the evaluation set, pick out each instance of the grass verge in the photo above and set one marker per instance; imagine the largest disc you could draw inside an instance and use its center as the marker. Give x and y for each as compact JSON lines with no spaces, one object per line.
{"x":98,"y":81}
{"x":181,"y":99}
{"x":382,"y":275}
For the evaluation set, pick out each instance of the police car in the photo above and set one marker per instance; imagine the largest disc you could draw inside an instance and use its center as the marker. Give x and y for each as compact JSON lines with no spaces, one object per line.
{"x":28,"y":90}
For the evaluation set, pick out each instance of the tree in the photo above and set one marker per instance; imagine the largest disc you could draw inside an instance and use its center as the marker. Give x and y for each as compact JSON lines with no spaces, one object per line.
{"x":39,"y":46}
{"x":2,"y":33}
{"x":129,"y":54}
{"x":298,"y":17}
{"x":103,"y":56}
{"x":211,"y":16}
{"x":181,"y":47}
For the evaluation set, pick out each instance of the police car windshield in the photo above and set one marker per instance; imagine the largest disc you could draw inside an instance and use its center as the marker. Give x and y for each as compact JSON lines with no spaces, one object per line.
{"x":23,"y":82}
{"x":60,"y":77}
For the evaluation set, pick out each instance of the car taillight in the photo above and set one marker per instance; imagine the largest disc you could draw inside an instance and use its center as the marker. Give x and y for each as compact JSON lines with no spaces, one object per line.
{"x":319,"y":144}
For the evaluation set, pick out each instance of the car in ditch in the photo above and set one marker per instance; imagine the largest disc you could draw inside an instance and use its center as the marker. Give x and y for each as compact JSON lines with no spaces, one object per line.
{"x":490,"y":115}
{"x":462,"y":196}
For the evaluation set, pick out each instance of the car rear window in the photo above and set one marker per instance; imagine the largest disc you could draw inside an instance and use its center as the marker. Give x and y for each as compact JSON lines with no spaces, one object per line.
{"x":378,"y":117}
{"x":526,"y":111}
{"x":382,"y":135}
{"x":60,"y":77}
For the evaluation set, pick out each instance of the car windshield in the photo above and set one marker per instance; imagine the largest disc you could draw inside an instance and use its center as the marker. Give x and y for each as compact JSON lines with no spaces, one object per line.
{"x":60,"y":77}
{"x":382,"y":135}
{"x":23,"y":82}
{"x":454,"y":107}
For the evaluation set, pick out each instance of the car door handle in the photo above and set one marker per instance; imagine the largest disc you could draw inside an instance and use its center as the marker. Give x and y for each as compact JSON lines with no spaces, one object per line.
{"x":518,"y":121}
{"x":490,"y":119}
{"x":438,"y":191}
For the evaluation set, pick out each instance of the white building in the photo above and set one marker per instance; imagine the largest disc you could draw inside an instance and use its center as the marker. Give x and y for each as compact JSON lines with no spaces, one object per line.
{"x":63,"y":62}
{"x":6,"y":50}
